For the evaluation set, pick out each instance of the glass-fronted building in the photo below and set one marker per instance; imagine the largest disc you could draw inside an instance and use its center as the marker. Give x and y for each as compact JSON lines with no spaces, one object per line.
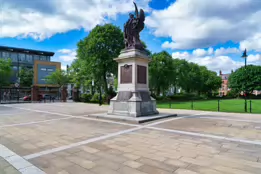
{"x":22,"y":57}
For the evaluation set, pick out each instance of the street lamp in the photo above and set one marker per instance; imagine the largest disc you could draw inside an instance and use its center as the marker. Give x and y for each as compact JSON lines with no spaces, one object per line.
{"x":244,"y":55}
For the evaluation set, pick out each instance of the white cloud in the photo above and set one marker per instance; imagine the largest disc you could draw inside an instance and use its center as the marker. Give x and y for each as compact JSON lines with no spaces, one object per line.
{"x":68,"y":55}
{"x":252,"y":43}
{"x":65,"y":51}
{"x":42,"y":19}
{"x":216,"y":61}
{"x":254,"y":58}
{"x":202,"y":52}
{"x":224,"y":51}
{"x":203,"y":23}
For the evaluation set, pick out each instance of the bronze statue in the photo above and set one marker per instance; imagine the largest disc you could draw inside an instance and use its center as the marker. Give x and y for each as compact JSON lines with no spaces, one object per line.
{"x":132,"y":29}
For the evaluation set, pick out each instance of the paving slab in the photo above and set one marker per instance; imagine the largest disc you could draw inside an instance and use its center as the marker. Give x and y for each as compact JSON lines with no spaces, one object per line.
{"x":22,"y":117}
{"x":33,"y":138}
{"x":150,"y":151}
{"x":228,"y":128}
{"x":74,"y":109}
{"x":7,"y":168}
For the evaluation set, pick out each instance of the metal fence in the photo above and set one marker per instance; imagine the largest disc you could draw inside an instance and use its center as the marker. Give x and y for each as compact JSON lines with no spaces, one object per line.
{"x":23,"y":95}
{"x":14,"y":95}
{"x":225,"y":105}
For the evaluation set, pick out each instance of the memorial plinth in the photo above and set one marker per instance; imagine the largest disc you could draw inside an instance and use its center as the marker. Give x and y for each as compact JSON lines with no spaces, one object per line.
{"x":133,"y":102}
{"x":133,"y":98}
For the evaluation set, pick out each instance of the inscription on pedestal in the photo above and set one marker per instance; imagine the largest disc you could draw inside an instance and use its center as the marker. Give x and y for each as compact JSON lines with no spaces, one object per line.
{"x":126,"y":74}
{"x":142,"y":74}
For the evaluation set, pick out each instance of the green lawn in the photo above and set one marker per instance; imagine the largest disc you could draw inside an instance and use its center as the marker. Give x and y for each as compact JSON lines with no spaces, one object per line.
{"x":233,"y":105}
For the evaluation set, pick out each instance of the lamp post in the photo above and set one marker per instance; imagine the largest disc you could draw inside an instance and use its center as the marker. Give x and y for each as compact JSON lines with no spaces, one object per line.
{"x":245,"y":57}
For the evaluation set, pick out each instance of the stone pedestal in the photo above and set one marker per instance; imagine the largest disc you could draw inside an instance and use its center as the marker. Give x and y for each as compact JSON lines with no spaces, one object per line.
{"x":64,"y":93}
{"x":133,"y":98}
{"x":35,"y":93}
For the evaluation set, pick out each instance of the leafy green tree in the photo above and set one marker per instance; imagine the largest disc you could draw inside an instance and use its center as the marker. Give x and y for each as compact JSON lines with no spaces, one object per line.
{"x":59,"y":77}
{"x":98,"y":50}
{"x":210,"y":82}
{"x":161,"y":72}
{"x":5,"y":71}
{"x":26,"y":76}
{"x":246,"y":79}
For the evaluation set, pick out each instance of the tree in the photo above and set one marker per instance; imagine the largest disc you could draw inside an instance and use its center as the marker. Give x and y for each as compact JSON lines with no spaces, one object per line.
{"x":246,"y":80}
{"x":209,"y":81}
{"x":162,"y":72}
{"x":26,"y":76}
{"x":98,"y":50}
{"x":5,"y":71}
{"x":59,"y":77}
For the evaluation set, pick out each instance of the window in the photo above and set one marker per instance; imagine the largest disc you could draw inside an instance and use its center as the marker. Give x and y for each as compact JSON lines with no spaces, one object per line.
{"x":43,"y":69}
{"x":29,"y":58}
{"x":43,"y":58}
{"x":48,"y":58}
{"x":6,"y":55}
{"x":36,"y":57}
{"x":13,"y":57}
{"x":21,"y":57}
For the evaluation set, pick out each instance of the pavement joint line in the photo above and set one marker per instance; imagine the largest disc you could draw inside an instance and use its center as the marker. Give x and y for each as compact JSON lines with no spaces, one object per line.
{"x":229,"y":119}
{"x":34,"y":122}
{"x":93,"y":119}
{"x":72,"y":116}
{"x":103,"y":137}
{"x":19,"y":163}
{"x":206,"y":135}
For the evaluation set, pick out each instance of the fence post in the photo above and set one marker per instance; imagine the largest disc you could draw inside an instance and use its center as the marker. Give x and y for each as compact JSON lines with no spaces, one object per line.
{"x":250,"y":106}
{"x":218,"y":105}
{"x":192,"y":106}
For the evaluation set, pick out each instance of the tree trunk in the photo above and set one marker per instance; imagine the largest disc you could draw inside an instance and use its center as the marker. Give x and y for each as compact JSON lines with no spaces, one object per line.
{"x":105,"y":83}
{"x":158,"y":91}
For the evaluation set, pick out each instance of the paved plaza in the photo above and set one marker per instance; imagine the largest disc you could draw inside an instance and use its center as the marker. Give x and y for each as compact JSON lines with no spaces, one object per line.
{"x":60,"y":138}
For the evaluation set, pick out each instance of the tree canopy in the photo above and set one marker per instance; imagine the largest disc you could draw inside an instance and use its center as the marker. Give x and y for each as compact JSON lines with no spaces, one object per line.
{"x":5,"y":71}
{"x":26,"y":77}
{"x":59,"y":77}
{"x":98,"y":50}
{"x":162,"y":72}
{"x":166,"y":72}
{"x":246,"y":79}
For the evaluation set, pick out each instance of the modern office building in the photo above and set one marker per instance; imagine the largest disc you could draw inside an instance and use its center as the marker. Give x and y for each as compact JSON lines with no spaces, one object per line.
{"x":22,"y":57}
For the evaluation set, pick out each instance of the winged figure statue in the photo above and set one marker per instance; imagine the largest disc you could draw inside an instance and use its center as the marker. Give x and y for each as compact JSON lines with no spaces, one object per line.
{"x":132,"y":29}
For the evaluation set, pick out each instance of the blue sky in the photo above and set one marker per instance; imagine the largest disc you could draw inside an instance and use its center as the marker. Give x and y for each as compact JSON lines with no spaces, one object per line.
{"x":206,"y":32}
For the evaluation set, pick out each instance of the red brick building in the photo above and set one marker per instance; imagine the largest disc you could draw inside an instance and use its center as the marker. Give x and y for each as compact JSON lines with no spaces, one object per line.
{"x":223,"y":91}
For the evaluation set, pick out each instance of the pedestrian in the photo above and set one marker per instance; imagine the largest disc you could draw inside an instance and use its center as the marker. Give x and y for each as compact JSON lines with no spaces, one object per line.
{"x":4,"y":96}
{"x":8,"y":95}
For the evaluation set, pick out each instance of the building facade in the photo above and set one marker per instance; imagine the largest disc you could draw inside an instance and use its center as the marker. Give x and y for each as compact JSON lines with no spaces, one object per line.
{"x":223,"y":91}
{"x":22,"y":57}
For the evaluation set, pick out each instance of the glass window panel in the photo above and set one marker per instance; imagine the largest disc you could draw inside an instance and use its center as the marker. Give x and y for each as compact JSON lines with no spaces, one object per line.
{"x":43,"y":58}
{"x":6,"y":55}
{"x":36,"y":57}
{"x":13,"y":56}
{"x":21,"y":57}
{"x":29,"y":58}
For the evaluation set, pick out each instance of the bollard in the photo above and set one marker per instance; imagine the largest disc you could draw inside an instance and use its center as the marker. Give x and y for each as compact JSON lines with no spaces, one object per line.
{"x":218,"y":105}
{"x":250,"y":106}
